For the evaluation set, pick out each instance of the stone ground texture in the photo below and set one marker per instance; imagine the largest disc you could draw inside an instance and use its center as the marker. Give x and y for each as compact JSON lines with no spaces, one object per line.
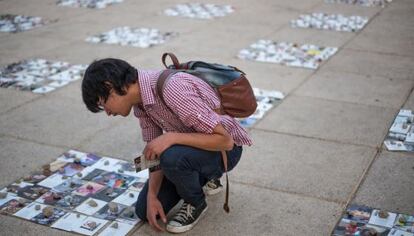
{"x":318,"y":151}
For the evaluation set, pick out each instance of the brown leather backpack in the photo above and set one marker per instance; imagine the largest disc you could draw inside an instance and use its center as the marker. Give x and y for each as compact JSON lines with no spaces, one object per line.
{"x":233,"y":88}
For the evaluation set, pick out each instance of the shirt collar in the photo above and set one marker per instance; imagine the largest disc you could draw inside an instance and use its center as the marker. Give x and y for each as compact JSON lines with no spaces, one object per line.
{"x":146,"y":82}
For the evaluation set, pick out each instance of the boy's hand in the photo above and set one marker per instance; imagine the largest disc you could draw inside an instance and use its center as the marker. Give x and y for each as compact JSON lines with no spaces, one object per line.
{"x":158,"y":146}
{"x":154,"y":208}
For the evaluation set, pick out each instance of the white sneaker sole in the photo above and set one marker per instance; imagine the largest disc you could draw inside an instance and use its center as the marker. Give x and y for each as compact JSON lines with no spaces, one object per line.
{"x":182,"y":229}
{"x":213,"y":191}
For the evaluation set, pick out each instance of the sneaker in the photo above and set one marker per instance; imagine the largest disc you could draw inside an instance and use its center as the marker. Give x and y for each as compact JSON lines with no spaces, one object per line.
{"x":185,"y":219}
{"x":212,"y":187}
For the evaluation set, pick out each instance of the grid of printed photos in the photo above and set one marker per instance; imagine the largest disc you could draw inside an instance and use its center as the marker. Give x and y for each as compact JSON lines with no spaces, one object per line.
{"x":307,"y":55}
{"x":366,"y":3}
{"x":39,"y":75}
{"x":199,"y":10}
{"x":79,"y":192}
{"x":18,"y":23}
{"x":401,"y":133}
{"x":335,"y":22}
{"x":361,"y":220}
{"x":135,"y":37}
{"x":94,"y":4}
{"x":266,"y":99}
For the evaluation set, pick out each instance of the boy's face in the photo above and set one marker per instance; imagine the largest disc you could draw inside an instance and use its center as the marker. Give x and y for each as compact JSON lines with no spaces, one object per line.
{"x":116,"y":104}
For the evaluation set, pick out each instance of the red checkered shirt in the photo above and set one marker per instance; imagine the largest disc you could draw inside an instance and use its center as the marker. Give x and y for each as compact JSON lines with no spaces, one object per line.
{"x":190,"y":102}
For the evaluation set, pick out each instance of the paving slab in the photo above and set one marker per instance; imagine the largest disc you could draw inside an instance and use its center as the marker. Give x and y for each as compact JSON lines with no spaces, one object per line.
{"x":399,"y":13}
{"x":265,"y":212}
{"x":349,"y":87}
{"x":319,"y":118}
{"x":123,"y":141}
{"x":311,"y":167}
{"x":371,"y":63}
{"x":387,"y":185}
{"x":16,"y":47}
{"x":18,"y":158}
{"x":59,"y":121}
{"x":82,"y":52}
{"x":385,"y":37}
{"x":13,"y":98}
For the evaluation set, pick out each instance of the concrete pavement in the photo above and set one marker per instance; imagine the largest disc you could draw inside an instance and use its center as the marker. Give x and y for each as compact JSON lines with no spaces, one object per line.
{"x":316,"y":152}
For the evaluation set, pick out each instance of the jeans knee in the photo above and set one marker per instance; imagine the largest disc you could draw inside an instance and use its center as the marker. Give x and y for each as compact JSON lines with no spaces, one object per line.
{"x":170,"y":158}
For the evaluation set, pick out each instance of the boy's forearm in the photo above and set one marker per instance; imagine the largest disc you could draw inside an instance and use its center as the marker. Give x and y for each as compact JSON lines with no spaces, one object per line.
{"x":210,"y":142}
{"x":155,"y":180}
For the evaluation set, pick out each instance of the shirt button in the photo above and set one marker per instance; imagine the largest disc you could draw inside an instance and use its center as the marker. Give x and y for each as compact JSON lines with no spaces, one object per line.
{"x":162,"y":121}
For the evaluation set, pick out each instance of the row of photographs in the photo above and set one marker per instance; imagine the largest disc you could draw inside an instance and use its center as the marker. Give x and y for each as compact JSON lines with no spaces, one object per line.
{"x":401,"y":134}
{"x":266,"y":99}
{"x":362,"y":220}
{"x":39,"y":75}
{"x":83,"y":193}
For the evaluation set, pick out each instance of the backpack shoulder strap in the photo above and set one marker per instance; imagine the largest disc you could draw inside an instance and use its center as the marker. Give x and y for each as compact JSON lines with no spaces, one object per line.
{"x":163,"y":77}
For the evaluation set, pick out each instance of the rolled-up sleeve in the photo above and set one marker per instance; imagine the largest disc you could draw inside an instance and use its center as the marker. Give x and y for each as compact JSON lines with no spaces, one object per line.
{"x":182,"y":97}
{"x":149,"y":129}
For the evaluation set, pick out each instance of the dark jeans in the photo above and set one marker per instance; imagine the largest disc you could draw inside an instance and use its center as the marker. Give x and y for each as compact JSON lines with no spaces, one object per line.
{"x":186,"y":170}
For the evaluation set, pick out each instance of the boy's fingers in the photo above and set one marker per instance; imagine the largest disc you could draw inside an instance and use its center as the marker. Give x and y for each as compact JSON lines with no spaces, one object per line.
{"x":162,"y":215}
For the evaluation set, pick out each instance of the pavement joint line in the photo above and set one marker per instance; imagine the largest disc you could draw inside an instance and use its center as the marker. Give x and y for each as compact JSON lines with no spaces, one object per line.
{"x":316,"y":138}
{"x":380,"y":53}
{"x":380,"y":149}
{"x":328,"y":70}
{"x":33,"y":141}
{"x":289,"y":192}
{"x":346,"y":102}
{"x":356,"y":188}
{"x":20,"y":105}
{"x":89,"y":137}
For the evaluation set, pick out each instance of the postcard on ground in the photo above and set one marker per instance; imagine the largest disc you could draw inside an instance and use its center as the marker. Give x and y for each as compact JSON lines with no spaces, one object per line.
{"x":52,"y":181}
{"x":88,"y":189}
{"x":382,"y":218}
{"x":94,"y":173}
{"x":109,"y":194}
{"x":13,"y":205}
{"x":32,"y":192}
{"x":405,"y":222}
{"x":90,"y":226}
{"x":129,"y":216}
{"x":106,"y":163}
{"x":8,"y":197}
{"x":90,"y":206}
{"x":353,"y":228}
{"x":48,"y":220}
{"x":68,"y":185}
{"x":117,"y":228}
{"x":358,"y":213}
{"x":15,"y":187}
{"x":110,"y":212}
{"x":138,"y":185}
{"x":70,"y":221}
{"x":127,"y":198}
{"x":114,"y":180}
{"x":31,"y":210}
{"x":70,"y":201}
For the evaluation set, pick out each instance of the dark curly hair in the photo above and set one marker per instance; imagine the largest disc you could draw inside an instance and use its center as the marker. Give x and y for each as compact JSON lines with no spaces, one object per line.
{"x":103,"y":75}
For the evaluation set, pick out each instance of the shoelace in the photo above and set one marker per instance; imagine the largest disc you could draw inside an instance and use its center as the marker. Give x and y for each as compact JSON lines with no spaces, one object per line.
{"x":185,"y":212}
